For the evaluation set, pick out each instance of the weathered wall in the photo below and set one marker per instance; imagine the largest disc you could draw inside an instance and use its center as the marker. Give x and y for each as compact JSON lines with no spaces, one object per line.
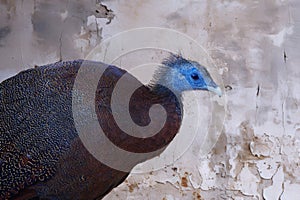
{"x":253,"y":43}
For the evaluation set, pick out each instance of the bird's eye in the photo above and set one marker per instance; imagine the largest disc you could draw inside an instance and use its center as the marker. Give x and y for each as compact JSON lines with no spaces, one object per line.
{"x":195,"y":76}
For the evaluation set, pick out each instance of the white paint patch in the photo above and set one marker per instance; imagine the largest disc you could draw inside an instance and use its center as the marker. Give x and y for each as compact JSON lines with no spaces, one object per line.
{"x":231,"y":5}
{"x":64,"y":15}
{"x":208,"y":176}
{"x":233,"y":149}
{"x":275,"y":190}
{"x":247,"y":182}
{"x":279,"y":38}
{"x":261,"y":148}
{"x":173,"y":180}
{"x":268,"y":167}
{"x":169,"y":197}
{"x":195,"y":184}
{"x":91,"y":23}
{"x":291,"y":191}
{"x":101,"y":22}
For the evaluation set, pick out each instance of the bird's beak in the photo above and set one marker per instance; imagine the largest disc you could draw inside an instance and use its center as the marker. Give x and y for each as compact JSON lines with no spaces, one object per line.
{"x":216,"y":90}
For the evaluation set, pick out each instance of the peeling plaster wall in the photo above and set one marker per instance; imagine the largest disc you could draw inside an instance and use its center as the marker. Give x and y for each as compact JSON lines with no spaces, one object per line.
{"x":253,"y":43}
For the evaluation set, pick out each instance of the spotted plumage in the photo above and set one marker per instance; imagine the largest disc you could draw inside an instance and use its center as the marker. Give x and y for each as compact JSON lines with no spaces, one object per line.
{"x":41,"y":155}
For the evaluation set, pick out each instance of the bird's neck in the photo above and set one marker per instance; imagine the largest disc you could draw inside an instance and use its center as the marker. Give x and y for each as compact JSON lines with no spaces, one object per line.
{"x":163,"y":91}
{"x":140,"y":103}
{"x":159,"y":90}
{"x":163,"y":82}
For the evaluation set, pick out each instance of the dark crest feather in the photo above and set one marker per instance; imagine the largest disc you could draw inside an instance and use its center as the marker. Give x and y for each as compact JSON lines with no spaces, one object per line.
{"x":175,"y":60}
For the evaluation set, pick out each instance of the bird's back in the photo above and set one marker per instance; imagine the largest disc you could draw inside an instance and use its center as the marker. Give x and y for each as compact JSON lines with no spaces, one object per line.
{"x":38,"y":136}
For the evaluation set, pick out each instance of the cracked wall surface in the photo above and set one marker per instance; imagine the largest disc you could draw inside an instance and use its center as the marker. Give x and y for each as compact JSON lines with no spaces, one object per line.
{"x":254,"y":44}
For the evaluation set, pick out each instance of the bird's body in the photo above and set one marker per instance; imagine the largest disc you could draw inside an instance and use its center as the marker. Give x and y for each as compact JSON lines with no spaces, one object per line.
{"x":41,"y":154}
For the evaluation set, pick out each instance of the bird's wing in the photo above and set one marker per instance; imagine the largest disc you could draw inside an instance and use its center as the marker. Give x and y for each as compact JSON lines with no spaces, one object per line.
{"x":34,"y":124}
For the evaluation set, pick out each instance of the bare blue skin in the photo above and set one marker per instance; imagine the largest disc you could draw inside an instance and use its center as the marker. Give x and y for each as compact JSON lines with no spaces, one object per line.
{"x":181,"y":75}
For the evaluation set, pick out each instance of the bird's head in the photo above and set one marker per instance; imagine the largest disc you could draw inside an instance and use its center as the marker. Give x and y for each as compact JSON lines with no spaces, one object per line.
{"x":180,"y":75}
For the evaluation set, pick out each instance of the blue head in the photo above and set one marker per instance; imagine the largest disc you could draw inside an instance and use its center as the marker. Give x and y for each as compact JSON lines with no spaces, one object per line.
{"x":180,"y":75}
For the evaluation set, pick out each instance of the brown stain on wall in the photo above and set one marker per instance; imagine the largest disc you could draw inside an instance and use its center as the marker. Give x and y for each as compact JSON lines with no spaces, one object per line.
{"x":196,"y":196}
{"x":184,"y":182}
{"x":132,"y":186}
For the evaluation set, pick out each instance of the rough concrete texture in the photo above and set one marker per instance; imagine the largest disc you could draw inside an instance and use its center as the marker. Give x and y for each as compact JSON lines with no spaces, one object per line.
{"x":255,"y":47}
